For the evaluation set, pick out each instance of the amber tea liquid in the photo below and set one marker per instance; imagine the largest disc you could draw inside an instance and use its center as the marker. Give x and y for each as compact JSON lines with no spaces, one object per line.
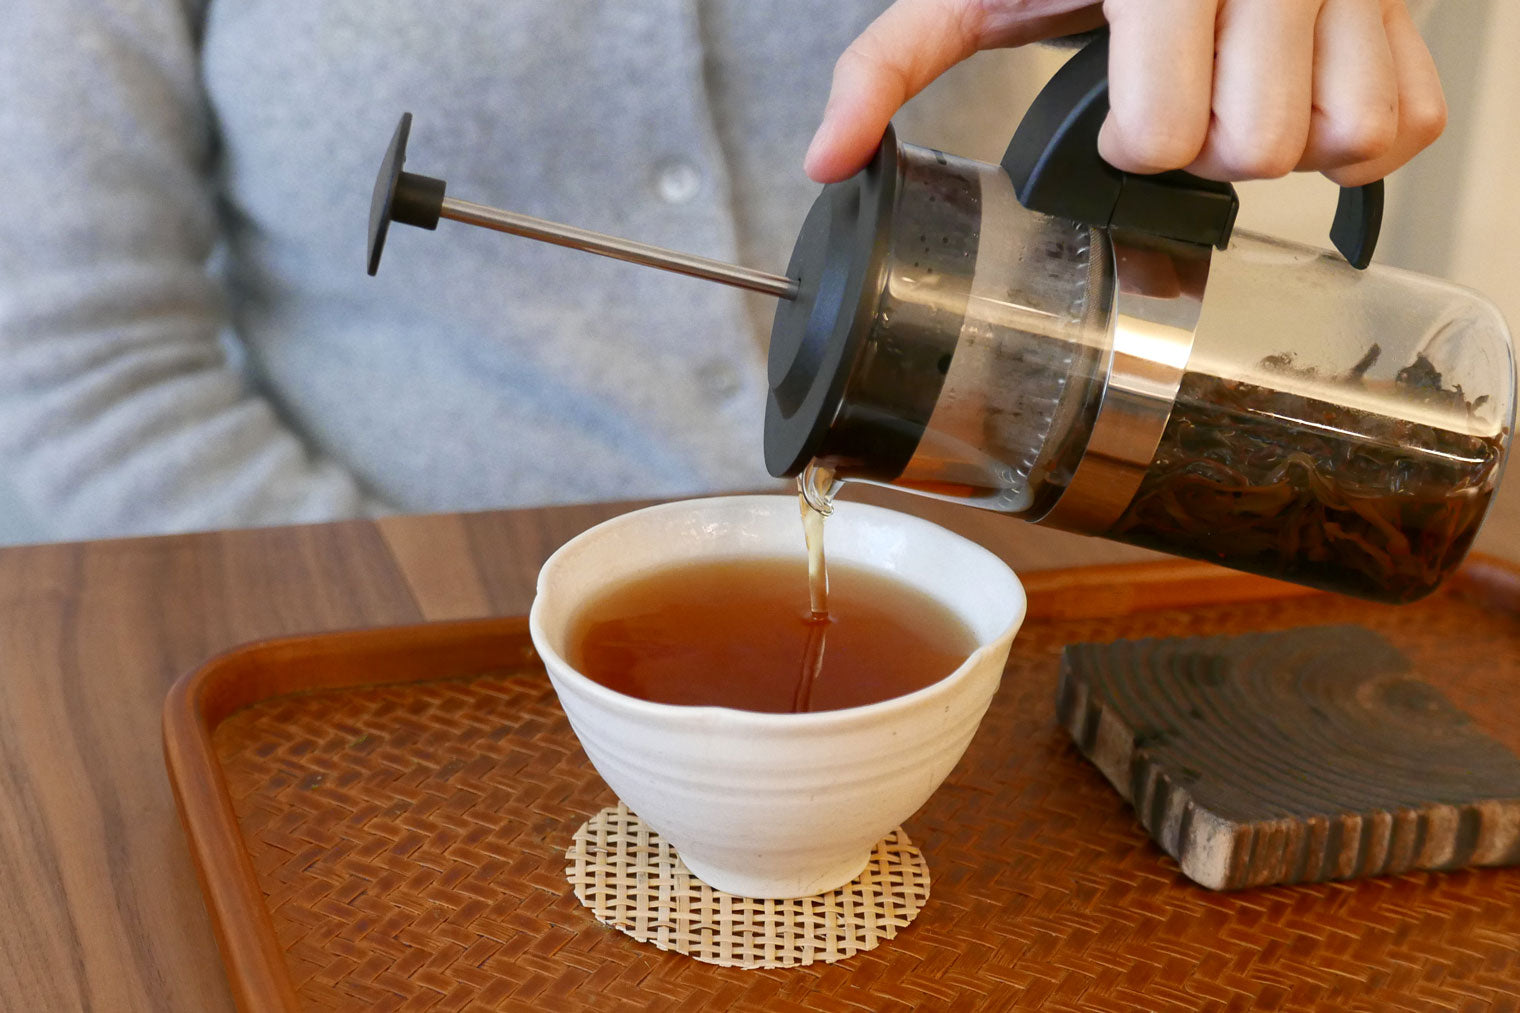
{"x":740,"y":633}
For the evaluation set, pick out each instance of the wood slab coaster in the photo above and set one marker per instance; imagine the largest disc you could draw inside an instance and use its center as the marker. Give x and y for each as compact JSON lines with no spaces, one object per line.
{"x":1299,"y":756}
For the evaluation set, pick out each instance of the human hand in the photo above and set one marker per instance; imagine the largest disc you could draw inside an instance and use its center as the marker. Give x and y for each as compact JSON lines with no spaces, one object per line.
{"x":1226,"y":89}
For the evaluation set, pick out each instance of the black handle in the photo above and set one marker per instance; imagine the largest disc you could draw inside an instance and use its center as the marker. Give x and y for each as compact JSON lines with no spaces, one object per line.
{"x":1054,"y":163}
{"x":1358,"y":221}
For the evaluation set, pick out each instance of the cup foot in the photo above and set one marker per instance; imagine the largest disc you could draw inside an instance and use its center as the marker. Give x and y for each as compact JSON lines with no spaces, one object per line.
{"x":749,"y":883}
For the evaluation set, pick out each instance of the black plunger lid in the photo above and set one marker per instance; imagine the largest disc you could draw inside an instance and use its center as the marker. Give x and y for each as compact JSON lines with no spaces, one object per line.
{"x":840,"y":263}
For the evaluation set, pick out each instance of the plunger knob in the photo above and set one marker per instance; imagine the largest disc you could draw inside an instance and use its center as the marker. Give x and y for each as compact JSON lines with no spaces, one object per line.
{"x":404,"y":197}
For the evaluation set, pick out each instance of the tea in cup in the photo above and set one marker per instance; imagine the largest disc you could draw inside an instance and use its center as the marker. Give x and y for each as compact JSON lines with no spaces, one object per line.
{"x":772,"y":755}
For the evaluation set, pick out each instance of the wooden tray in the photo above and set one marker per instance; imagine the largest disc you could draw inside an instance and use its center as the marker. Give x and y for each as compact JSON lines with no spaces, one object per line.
{"x":379,"y":821}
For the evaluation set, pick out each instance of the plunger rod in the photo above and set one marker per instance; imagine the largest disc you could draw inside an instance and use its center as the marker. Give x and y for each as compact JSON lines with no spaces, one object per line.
{"x":778,"y":285}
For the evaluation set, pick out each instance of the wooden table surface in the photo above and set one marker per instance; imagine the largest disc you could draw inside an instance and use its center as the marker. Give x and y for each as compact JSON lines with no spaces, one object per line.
{"x":99,"y":906}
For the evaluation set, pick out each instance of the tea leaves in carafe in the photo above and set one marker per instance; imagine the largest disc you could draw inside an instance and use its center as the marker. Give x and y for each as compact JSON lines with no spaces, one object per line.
{"x":1302,"y":489}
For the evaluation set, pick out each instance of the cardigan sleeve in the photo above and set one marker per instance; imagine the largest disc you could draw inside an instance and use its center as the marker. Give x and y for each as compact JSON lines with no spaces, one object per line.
{"x":122,"y":409}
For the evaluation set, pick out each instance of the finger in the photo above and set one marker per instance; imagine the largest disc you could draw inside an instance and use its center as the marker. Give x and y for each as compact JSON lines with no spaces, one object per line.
{"x":1263,"y":90}
{"x":908,"y":46}
{"x":1160,"y":76}
{"x":1421,"y":104}
{"x":1355,"y":115}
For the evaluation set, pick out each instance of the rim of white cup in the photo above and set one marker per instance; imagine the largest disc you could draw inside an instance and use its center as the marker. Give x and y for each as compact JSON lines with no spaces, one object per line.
{"x":767,"y":719}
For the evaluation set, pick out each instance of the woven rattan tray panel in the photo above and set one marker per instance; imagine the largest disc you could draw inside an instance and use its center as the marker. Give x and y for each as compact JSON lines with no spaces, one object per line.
{"x":402,"y":846}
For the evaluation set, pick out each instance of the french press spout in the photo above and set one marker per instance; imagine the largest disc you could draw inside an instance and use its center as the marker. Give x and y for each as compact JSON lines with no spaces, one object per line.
{"x":1104,"y":352}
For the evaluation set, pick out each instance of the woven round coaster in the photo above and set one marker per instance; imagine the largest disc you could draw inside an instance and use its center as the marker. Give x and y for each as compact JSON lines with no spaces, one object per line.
{"x":633,"y":881}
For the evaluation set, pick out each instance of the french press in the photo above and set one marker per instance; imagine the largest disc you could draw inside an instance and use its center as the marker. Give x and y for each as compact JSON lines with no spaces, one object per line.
{"x":1103,"y":352}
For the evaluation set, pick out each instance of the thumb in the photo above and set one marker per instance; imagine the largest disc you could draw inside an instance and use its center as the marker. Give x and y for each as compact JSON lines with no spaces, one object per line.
{"x":909,"y":45}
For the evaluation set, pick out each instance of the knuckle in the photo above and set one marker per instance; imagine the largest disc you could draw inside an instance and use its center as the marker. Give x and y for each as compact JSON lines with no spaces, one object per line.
{"x":875,"y":45}
{"x":987,"y":23}
{"x":966,"y":25}
{"x":971,"y":17}
{"x":1361,"y":137}
{"x":858,"y":55}
{"x":863,"y":61}
{"x":1265,"y":143}
{"x":1266,"y":163}
{"x":1258,"y":154}
{"x":1163,"y":147}
{"x":1423,"y":119}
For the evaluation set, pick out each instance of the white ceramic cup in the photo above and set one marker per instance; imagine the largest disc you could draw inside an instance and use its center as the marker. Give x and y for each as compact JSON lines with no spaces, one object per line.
{"x":777,"y":805}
